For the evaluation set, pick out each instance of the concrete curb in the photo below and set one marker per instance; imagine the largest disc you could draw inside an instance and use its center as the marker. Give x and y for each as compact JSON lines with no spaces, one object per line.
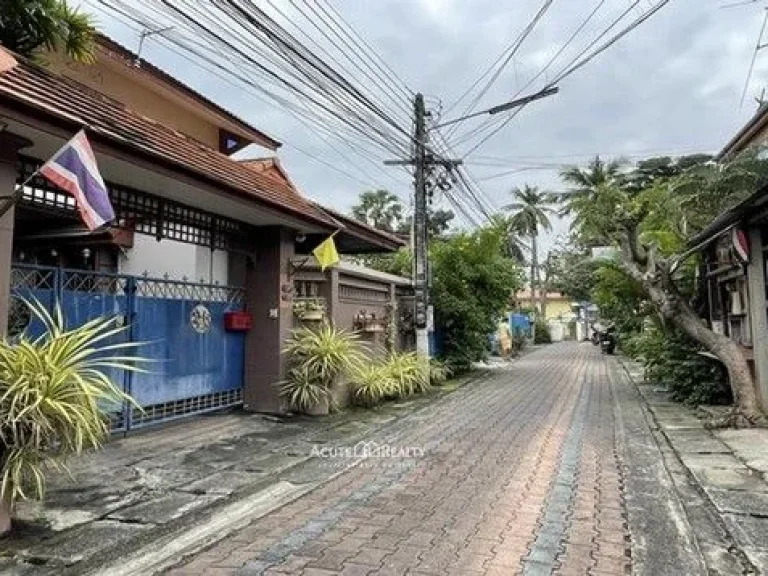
{"x":682,"y":441}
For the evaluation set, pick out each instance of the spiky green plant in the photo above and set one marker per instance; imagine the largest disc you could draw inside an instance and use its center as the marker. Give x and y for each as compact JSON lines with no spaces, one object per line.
{"x":371,"y":383}
{"x":52,"y":390}
{"x":303,"y":390}
{"x":318,"y":356}
{"x":409,"y":374}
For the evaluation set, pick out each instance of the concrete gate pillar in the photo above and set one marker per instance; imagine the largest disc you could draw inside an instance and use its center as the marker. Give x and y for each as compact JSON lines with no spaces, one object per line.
{"x":10,"y":144}
{"x":269,"y":298}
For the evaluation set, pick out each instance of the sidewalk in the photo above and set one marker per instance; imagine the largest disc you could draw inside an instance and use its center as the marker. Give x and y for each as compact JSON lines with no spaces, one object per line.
{"x":167,"y":491}
{"x":722,"y":474}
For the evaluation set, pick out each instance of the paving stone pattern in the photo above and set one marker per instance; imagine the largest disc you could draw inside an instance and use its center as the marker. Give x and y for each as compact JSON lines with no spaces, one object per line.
{"x":519,"y":475}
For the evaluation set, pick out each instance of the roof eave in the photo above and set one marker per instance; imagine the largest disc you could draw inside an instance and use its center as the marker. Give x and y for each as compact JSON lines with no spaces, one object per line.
{"x":62,"y":121}
{"x":743,"y":138}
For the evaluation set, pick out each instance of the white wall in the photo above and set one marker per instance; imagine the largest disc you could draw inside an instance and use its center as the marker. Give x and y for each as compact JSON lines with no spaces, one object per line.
{"x":176,"y":259}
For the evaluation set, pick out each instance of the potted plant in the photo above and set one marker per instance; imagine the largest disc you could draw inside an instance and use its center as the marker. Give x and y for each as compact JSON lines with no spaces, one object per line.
{"x":319,"y":358}
{"x":312,"y":309}
{"x":52,"y":390}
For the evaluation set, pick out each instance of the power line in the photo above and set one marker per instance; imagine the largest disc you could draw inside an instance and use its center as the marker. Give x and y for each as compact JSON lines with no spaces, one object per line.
{"x":510,"y":53}
{"x":758,"y":46}
{"x":315,"y":123}
{"x":580,"y":63}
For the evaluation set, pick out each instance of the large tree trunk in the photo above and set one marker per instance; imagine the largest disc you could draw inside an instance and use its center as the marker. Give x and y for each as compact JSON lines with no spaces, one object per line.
{"x":660,"y":287}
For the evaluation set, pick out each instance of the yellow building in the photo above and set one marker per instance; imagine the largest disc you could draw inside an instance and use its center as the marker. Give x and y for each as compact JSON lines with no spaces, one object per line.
{"x":560,"y":316}
{"x":558,"y":304}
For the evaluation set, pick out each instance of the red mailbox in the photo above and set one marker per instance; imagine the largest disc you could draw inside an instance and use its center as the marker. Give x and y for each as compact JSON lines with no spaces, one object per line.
{"x":237,"y":321}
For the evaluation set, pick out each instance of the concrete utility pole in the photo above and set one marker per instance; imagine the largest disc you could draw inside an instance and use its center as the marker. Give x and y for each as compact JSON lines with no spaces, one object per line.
{"x":420,"y":252}
{"x":423,"y":160}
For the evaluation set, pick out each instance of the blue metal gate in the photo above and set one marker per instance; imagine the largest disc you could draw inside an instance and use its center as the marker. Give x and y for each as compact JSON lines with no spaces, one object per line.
{"x":196,"y":366}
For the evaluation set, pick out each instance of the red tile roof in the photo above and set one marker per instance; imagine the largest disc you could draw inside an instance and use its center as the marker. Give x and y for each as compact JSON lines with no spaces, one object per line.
{"x":74,"y":104}
{"x":272,"y":168}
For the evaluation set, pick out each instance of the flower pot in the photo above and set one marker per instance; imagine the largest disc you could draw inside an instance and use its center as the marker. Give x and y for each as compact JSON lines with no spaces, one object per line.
{"x":313,"y":315}
{"x":320,"y":409}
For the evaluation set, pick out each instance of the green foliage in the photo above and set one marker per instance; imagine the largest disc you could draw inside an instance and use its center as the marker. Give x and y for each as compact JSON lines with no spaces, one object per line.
{"x":650,"y":212}
{"x":672,"y":359}
{"x":371,"y":384}
{"x":398,"y":375}
{"x":620,"y":298}
{"x":439,"y":372}
{"x":27,"y":26}
{"x":572,"y":271}
{"x":318,"y":356}
{"x":384,"y":210}
{"x":530,"y":210}
{"x":304,"y":390}
{"x":408,"y":373}
{"x":381,"y":209}
{"x":541,"y":334}
{"x":52,"y":391}
{"x":472,"y":282}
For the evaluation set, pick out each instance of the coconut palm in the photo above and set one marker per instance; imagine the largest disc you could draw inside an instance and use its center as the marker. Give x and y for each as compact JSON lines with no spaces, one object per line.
{"x":531,"y":211}
{"x":27,"y":26}
{"x":585,"y":182}
{"x":515,"y":247}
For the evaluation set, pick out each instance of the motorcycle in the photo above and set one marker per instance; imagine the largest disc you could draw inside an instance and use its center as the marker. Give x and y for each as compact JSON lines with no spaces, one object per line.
{"x":608,"y":340}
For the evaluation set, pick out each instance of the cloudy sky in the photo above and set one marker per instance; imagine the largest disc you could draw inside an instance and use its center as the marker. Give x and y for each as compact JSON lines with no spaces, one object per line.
{"x":671,"y":86}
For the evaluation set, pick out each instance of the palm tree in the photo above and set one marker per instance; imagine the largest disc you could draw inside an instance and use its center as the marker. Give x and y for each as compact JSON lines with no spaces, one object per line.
{"x":514,"y":247}
{"x":27,"y":26}
{"x":530,"y":215}
{"x":586,"y":182}
{"x":381,"y":209}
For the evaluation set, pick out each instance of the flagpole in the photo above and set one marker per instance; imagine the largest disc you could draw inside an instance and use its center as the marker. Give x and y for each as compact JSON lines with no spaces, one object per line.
{"x":17,"y":194}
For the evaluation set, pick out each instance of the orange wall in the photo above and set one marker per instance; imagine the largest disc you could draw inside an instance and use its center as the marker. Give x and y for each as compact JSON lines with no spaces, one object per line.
{"x":135,"y":89}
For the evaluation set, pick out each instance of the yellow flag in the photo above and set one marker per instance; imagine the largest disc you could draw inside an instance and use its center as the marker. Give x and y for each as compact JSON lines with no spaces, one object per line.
{"x":326,"y":253}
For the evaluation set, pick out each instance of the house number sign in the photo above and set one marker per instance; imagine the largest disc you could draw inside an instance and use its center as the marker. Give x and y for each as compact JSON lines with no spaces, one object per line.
{"x":200,"y":319}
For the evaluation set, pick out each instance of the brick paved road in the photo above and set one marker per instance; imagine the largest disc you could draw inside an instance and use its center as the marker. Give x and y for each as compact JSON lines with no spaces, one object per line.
{"x":520,"y":475}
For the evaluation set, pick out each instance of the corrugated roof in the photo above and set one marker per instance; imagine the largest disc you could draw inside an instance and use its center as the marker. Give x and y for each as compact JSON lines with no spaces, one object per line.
{"x":75,"y":103}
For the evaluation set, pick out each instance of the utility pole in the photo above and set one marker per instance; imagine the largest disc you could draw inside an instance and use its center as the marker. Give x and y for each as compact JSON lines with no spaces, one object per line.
{"x":421,"y":300}
{"x":424,"y":160}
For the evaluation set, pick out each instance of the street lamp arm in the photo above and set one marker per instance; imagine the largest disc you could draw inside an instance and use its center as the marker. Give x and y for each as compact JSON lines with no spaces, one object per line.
{"x":503,"y":107}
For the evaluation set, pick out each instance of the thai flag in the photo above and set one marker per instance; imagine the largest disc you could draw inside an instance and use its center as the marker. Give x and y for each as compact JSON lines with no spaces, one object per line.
{"x":74,"y":169}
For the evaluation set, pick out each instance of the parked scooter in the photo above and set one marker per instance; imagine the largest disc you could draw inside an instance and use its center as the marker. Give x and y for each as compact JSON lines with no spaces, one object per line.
{"x":608,"y":340}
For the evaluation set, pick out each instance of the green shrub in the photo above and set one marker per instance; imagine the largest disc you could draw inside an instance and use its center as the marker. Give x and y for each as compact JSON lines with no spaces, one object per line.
{"x":371,"y":383}
{"x":672,"y":359}
{"x":318,"y":356}
{"x":52,"y":393}
{"x":439,"y":372}
{"x":409,"y":374}
{"x":541,"y":334}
